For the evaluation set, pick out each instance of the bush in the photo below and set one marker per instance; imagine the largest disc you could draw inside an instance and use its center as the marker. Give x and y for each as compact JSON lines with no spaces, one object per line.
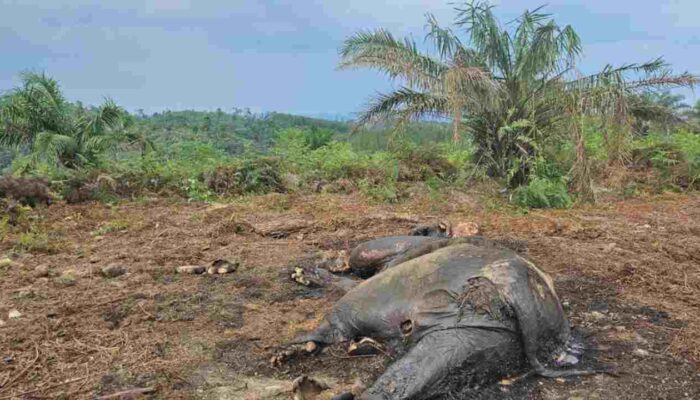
{"x":676,"y":157}
{"x":423,"y":163}
{"x":543,"y":193}
{"x":547,"y":188}
{"x":37,"y":241}
{"x":258,"y":175}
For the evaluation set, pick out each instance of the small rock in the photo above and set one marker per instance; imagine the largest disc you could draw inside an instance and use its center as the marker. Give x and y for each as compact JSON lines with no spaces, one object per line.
{"x":222,"y":266}
{"x":67,"y":278}
{"x":307,"y":388}
{"x":113,"y":271}
{"x":596,"y":315}
{"x":5,"y":262}
{"x":560,"y":380}
{"x":310,"y":347}
{"x":2,"y":323}
{"x":41,"y":271}
{"x":640,"y":353}
{"x":191,"y":269}
{"x":465,"y":229}
{"x":51,"y":314}
{"x":14,"y":314}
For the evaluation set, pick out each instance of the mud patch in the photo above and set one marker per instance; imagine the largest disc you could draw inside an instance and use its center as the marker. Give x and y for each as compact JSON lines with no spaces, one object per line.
{"x":245,"y":356}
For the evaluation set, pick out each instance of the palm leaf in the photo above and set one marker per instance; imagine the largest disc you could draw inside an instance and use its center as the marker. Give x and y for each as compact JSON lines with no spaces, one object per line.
{"x":398,"y":59}
{"x":405,"y":103}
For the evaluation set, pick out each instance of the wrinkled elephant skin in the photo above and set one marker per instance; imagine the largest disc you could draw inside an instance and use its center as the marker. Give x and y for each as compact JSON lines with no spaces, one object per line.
{"x":457,"y":314}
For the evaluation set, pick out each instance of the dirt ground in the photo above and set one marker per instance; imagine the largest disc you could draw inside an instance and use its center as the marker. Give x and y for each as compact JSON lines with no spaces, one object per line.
{"x":627,"y":271}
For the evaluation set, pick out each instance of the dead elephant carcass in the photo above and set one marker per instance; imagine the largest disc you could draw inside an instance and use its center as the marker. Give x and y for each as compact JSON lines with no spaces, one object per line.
{"x":456,"y":314}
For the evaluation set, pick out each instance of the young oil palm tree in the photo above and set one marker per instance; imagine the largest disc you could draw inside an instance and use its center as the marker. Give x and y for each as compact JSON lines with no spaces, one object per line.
{"x":37,"y":115}
{"x":512,"y":88}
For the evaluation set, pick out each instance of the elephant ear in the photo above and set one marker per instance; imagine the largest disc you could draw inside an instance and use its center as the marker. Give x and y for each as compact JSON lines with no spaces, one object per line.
{"x":541,"y":320}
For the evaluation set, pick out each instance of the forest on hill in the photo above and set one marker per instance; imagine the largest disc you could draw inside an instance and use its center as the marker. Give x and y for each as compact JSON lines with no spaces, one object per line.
{"x":492,"y":102}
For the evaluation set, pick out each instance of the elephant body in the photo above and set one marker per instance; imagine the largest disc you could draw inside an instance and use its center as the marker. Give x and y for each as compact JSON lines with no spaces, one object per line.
{"x":454,"y":311}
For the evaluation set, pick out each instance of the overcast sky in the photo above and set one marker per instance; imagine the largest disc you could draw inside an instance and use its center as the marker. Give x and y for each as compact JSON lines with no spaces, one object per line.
{"x":281,"y":55}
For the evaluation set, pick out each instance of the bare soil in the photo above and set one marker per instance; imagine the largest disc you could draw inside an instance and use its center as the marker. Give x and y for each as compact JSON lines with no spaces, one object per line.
{"x":628,"y":271}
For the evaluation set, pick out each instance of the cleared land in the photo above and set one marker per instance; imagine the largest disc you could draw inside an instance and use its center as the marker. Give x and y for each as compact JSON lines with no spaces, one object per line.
{"x":630,"y":271}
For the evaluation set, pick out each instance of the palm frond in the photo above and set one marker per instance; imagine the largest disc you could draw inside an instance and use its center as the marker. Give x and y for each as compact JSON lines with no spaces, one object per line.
{"x":486,"y":35}
{"x":53,"y":147}
{"x":405,"y":103}
{"x":398,"y":59}
{"x":445,"y":41}
{"x":617,"y":75}
{"x":108,"y":117}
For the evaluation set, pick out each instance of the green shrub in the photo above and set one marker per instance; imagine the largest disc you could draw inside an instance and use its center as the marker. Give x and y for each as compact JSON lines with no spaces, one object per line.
{"x":383,"y":193}
{"x":675,"y":156}
{"x":258,"y":175}
{"x":546,"y":188}
{"x":111,"y":226}
{"x":36,"y":241}
{"x":542,"y":193}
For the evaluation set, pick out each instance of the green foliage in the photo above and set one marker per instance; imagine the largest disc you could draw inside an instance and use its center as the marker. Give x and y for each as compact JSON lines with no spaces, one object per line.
{"x":37,"y":115}
{"x":111,"y":226}
{"x":512,"y":87}
{"x":383,"y":193}
{"x":547,"y":188}
{"x":676,"y":156}
{"x":234,"y":131}
{"x":255,"y":175}
{"x":380,"y":137}
{"x":36,"y":241}
{"x":543,"y":193}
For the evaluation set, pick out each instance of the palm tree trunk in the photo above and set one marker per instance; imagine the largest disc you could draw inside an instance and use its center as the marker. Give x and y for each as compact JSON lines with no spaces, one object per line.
{"x":582,"y":171}
{"x":456,"y":122}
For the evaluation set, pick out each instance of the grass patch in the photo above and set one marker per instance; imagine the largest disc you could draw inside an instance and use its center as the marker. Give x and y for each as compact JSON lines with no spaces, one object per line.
{"x":111,"y":226}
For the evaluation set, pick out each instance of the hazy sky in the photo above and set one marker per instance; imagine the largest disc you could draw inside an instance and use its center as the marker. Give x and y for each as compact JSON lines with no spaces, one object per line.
{"x":281,"y":55}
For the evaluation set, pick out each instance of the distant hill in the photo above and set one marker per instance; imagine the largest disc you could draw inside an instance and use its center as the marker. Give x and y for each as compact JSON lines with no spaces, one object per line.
{"x":235,"y":131}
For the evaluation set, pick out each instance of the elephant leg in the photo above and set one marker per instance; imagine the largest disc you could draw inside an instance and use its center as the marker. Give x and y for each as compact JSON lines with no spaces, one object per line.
{"x":447,"y":360}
